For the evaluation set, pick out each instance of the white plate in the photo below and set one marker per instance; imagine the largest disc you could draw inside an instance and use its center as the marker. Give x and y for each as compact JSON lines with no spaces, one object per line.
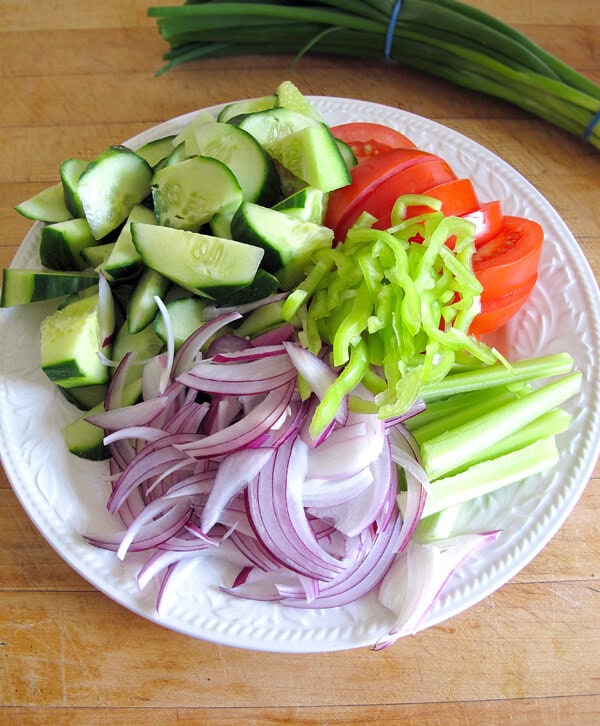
{"x":65,"y":496}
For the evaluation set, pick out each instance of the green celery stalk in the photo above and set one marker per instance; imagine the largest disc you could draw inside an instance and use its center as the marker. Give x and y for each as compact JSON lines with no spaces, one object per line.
{"x":491,"y":475}
{"x":499,"y":374}
{"x":449,"y":451}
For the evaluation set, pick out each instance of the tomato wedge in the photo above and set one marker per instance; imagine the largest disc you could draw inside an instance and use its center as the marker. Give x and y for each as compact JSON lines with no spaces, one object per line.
{"x":510,"y":259}
{"x":458,"y":197}
{"x":369,"y":139}
{"x":367,"y":175}
{"x":416,"y":179}
{"x":498,"y":311}
{"x":488,"y":219}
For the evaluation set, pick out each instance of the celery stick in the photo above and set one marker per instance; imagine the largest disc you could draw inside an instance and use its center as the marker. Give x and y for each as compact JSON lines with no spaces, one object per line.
{"x":490,"y":475}
{"x":498,"y":374}
{"x":443,"y":407}
{"x":451,"y":450}
{"x":457,"y":418}
{"x":548,"y":424}
{"x":439,"y":525}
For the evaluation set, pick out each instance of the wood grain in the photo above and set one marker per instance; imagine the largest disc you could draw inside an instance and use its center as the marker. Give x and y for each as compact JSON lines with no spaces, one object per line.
{"x":78,"y":76}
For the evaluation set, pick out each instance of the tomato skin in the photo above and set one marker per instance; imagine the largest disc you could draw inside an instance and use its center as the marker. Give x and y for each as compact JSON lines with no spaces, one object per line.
{"x":496,"y":312}
{"x":369,"y":139}
{"x":510,"y":259}
{"x":415,"y":179}
{"x":367,"y":175}
{"x":488,"y":219}
{"x":458,"y":198}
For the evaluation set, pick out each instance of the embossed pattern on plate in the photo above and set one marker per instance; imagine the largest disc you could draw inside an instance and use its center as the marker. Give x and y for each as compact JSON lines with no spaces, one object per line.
{"x":65,"y":496}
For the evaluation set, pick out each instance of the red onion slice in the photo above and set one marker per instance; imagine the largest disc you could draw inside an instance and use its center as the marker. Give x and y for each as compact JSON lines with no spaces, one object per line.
{"x":414,"y":582}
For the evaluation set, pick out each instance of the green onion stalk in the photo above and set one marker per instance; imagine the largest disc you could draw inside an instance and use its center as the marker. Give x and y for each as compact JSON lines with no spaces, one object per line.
{"x":443,"y":37}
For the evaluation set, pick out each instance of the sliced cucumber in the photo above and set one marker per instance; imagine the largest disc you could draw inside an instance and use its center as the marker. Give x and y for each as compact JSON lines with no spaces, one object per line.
{"x":97,"y":255}
{"x":26,"y":286}
{"x":347,"y":154}
{"x":263,"y":285}
{"x":220,"y":225}
{"x":289,"y":96}
{"x":86,"y":440}
{"x":270,"y":126}
{"x":70,"y":341}
{"x":70,"y":173}
{"x":287,"y":242}
{"x":312,"y":154}
{"x":62,"y":243}
{"x":86,"y":397}
{"x":308,"y":204}
{"x":237,"y":149}
{"x":186,"y":195}
{"x":178,"y":154}
{"x":144,"y":344}
{"x":251,"y":105}
{"x":186,"y":316}
{"x":142,"y":307}
{"x":110,"y":186}
{"x":262,"y":320}
{"x":124,"y":262}
{"x":46,"y":206}
{"x":156,"y":151}
{"x":203,"y":264}
{"x":187,"y":133}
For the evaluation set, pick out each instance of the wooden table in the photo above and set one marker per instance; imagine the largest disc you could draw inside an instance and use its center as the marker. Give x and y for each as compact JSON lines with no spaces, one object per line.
{"x":76,"y":76}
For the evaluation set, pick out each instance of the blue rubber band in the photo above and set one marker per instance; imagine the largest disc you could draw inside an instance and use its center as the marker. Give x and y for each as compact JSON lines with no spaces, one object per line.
{"x":389,"y":36}
{"x":591,"y":126}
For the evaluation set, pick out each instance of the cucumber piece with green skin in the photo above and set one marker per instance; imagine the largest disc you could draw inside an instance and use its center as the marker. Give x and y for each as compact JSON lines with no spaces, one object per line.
{"x":220,"y":225}
{"x":69,"y":344}
{"x":62,"y":243}
{"x":144,"y":344}
{"x":178,"y":154}
{"x":188,"y":131}
{"x":186,"y":195}
{"x":70,"y":173}
{"x":20,"y":287}
{"x":124,"y":262}
{"x":308,"y":204}
{"x":289,"y":96}
{"x":156,"y":151}
{"x":270,"y":126}
{"x":46,"y":206}
{"x":86,"y":397}
{"x":262,"y":320}
{"x":263,"y":285}
{"x":286,"y":241}
{"x":303,"y":145}
{"x":86,"y":440}
{"x":313,"y":155}
{"x":347,"y":154}
{"x":142,"y":307}
{"x":96,"y":255}
{"x":110,"y":186}
{"x":186,"y":316}
{"x":239,"y":151}
{"x":251,"y":105}
{"x":205,"y":265}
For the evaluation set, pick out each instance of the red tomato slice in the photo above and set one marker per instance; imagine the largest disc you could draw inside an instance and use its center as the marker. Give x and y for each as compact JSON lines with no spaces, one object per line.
{"x":510,"y":259}
{"x":368,"y":139}
{"x":380,"y":200}
{"x":498,"y":311}
{"x":488,"y":221}
{"x":369,"y":174}
{"x":458,"y":197}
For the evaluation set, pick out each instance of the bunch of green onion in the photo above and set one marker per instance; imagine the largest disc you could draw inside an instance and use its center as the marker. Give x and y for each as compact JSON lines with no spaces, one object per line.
{"x":442,"y":37}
